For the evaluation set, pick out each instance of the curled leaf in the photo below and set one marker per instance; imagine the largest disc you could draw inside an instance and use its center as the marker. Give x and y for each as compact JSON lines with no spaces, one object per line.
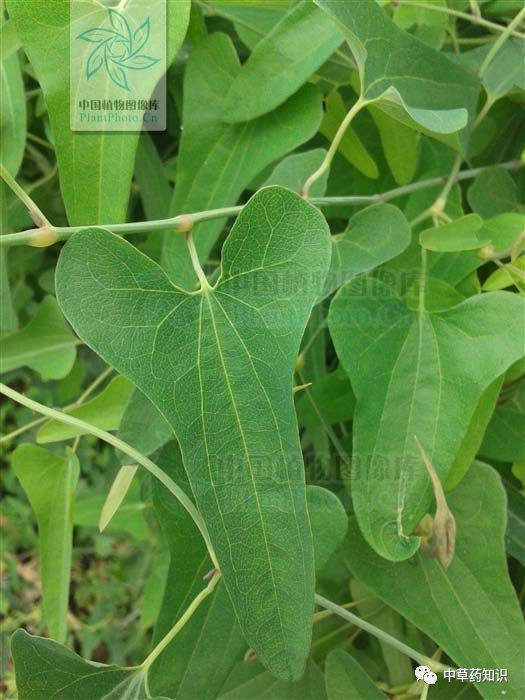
{"x":444,"y":524}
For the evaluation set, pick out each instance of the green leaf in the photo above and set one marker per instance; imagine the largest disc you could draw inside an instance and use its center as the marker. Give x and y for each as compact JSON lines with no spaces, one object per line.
{"x":104,"y":411}
{"x":154,"y":187}
{"x":504,"y":440}
{"x":371,"y":608}
{"x":50,"y":483}
{"x":45,"y":670}
{"x":400,"y":145}
{"x":413,"y":375}
{"x":329,"y":400}
{"x":515,"y":535}
{"x":13,"y":114}
{"x":249,"y":681}
{"x":128,"y":518}
{"x":212,"y":639}
{"x":223,"y":388}
{"x":95,"y":168}
{"x":461,"y":234}
{"x":474,"y":435}
{"x":251,"y":20}
{"x":46,"y":344}
{"x":373,"y":236}
{"x":504,"y":73}
{"x":142,"y":425}
{"x":471,"y":609}
{"x":293,"y":171}
{"x":117,"y":493}
{"x":507,"y":276}
{"x":218,"y":161}
{"x":493,"y":192}
{"x":329,"y":522}
{"x":404,"y":77}
{"x":347,"y":680}
{"x":351,"y":147}
{"x":279,"y":64}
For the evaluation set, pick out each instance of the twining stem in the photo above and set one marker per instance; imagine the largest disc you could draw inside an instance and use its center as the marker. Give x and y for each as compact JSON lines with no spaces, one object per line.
{"x":157,"y":651}
{"x":380,"y":634}
{"x":481,"y":21}
{"x":135,"y":455}
{"x":52,"y":234}
{"x":501,"y":40}
{"x":356,"y":107}
{"x":33,"y":424}
{"x":424,"y":694}
{"x":36,"y":215}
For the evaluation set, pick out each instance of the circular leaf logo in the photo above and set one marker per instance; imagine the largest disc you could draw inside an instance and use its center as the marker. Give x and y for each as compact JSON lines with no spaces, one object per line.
{"x":118,"y":49}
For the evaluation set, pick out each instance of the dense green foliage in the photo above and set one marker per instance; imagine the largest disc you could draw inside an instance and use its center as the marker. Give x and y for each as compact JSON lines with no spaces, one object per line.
{"x":277,"y":352}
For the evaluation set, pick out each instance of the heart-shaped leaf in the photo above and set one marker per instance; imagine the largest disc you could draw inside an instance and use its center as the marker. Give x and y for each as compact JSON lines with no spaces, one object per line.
{"x":218,"y":364}
{"x":402,"y":75}
{"x":420,"y":374}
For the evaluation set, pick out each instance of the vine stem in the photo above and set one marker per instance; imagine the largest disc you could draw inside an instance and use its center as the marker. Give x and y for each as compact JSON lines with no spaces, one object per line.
{"x":34,"y":211}
{"x":41,"y":237}
{"x":355,"y":109}
{"x":421,"y":659}
{"x":135,"y":455}
{"x":24,"y":428}
{"x":501,"y":40}
{"x":460,"y":15}
{"x":157,"y":651}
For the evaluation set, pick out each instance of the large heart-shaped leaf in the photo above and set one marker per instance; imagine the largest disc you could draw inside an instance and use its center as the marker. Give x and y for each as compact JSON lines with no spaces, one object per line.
{"x":471,"y":609}
{"x":420,"y":374}
{"x":217,"y":161}
{"x":402,"y":75}
{"x":95,"y":168}
{"x":218,"y":364}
